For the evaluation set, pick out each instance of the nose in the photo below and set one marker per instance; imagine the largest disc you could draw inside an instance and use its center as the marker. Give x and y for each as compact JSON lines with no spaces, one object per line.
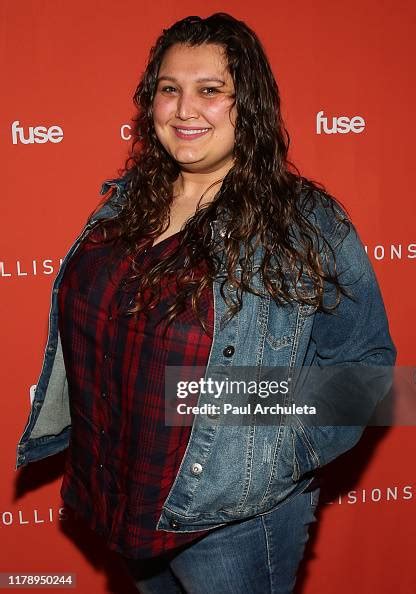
{"x":186,"y":107}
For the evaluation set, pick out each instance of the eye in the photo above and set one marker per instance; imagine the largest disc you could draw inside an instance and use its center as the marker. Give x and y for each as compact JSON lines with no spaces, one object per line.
{"x":167,"y":89}
{"x":210,"y":90}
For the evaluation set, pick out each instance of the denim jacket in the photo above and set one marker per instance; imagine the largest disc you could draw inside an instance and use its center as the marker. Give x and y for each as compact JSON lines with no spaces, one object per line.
{"x":235,"y":472}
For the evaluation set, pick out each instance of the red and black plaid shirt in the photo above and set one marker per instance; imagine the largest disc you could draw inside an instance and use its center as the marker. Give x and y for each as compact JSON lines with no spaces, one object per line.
{"x":122,"y":458}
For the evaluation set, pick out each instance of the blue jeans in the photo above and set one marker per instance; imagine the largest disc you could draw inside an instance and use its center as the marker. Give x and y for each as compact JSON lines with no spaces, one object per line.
{"x":256,"y":556}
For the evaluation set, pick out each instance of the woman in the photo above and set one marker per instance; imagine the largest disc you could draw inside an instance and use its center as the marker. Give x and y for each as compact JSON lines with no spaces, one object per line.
{"x":210,"y":252}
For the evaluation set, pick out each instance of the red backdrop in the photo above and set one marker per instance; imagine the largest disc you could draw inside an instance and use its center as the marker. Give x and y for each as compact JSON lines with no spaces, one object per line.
{"x":73,"y":66}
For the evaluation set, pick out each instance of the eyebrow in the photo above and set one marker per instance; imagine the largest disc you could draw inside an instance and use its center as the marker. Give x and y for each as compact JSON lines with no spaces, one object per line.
{"x":198,"y":80}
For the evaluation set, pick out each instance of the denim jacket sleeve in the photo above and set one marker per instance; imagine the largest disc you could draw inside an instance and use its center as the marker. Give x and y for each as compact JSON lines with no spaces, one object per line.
{"x":353,"y":354}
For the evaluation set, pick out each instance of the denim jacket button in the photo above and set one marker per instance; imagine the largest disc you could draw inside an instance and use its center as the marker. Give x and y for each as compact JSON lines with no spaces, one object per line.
{"x":174,"y":524}
{"x":228,"y":351}
{"x":196,"y":468}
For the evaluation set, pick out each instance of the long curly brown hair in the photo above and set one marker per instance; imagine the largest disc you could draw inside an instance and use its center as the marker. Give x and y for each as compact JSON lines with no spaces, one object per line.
{"x":263,"y":202}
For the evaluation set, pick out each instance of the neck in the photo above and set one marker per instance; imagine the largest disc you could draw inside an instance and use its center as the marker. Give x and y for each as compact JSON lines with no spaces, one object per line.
{"x":191,"y":185}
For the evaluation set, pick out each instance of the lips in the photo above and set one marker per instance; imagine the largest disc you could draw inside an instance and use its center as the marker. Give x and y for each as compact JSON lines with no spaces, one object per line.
{"x":190,"y":133}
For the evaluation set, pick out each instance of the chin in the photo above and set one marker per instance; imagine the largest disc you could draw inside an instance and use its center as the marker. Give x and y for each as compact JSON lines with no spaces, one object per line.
{"x":182,"y":160}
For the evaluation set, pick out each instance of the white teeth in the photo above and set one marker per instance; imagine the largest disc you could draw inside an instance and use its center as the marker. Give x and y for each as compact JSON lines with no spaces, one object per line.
{"x":190,"y":132}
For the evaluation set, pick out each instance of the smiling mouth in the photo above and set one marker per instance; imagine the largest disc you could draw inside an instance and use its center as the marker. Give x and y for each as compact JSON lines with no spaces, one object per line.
{"x":190,"y":133}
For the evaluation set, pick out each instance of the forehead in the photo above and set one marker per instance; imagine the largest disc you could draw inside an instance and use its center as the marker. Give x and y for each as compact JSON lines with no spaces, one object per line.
{"x":201,"y":61}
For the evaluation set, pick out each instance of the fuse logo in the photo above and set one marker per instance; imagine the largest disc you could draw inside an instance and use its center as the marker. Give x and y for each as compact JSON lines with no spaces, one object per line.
{"x":36,"y":134}
{"x":339,"y":125}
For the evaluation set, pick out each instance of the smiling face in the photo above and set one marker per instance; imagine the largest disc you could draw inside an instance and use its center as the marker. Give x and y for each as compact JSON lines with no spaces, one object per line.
{"x":193,"y":109}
